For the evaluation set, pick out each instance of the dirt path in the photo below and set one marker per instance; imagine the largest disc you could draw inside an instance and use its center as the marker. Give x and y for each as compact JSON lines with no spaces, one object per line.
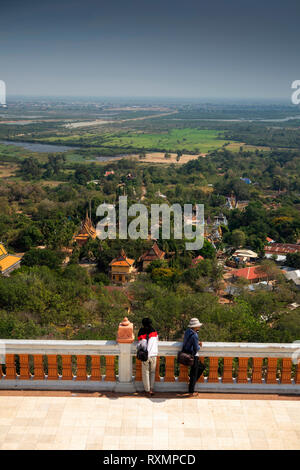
{"x":144,"y":192}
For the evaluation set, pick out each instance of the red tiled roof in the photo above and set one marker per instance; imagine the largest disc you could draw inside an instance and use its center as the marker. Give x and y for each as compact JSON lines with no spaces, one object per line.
{"x":153,"y":254}
{"x":197,"y":260}
{"x":250,"y":273}
{"x":282,"y":248}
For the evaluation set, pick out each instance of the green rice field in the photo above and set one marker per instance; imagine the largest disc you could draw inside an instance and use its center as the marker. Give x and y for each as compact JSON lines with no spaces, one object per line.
{"x":186,"y":140}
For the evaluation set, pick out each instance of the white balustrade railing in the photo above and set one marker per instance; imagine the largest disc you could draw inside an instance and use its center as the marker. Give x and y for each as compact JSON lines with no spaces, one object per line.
{"x":239,"y":367}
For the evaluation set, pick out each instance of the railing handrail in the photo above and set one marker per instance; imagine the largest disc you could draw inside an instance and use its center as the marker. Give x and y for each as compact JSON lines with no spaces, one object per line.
{"x":59,"y":347}
{"x":214,"y":349}
{"x":165,"y":348}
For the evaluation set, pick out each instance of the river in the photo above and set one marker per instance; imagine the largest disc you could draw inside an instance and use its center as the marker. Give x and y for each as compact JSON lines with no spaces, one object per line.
{"x":37,"y":147}
{"x":54,"y":148}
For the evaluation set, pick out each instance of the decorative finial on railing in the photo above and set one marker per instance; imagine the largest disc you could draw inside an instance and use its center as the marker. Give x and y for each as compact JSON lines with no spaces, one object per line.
{"x":125,"y":332}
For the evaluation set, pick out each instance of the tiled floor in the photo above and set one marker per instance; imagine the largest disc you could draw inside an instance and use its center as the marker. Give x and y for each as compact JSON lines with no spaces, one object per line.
{"x":92,"y":422}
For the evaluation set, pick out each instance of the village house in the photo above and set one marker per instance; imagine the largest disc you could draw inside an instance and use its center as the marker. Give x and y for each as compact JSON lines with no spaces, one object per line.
{"x":281,"y":248}
{"x":250,"y":273}
{"x":153,"y":254}
{"x":243,"y":255}
{"x":8,"y":263}
{"x":122,"y":269}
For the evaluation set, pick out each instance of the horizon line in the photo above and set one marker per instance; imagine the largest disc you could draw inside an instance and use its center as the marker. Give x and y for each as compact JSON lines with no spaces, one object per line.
{"x":148,"y":97}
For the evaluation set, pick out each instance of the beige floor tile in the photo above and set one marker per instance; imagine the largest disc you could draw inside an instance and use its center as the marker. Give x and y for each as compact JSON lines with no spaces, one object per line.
{"x":127,"y":443}
{"x":259,"y":444}
{"x":24,"y":445}
{"x":256,"y":434}
{"x":224,"y":433}
{"x":209,"y":444}
{"x":242,"y":444}
{"x":6,"y":421}
{"x":139,"y":423}
{"x":9,"y":446}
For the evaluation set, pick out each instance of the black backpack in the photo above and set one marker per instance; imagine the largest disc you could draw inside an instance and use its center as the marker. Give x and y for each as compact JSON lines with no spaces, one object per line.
{"x":142,"y":354}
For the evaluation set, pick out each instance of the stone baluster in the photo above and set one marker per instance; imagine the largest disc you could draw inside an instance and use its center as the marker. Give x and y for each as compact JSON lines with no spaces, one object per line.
{"x":96,"y":368}
{"x":81,"y":368}
{"x":297,"y":373}
{"x":24,"y":367}
{"x":52,"y":367}
{"x":257,"y":370}
{"x":169,"y":373}
{"x":110,"y":369}
{"x":272,"y":370}
{"x":227,"y":370}
{"x":183,"y":373}
{"x":242,"y":377}
{"x":39,"y":373}
{"x":213,"y":375}
{"x":138,"y":371}
{"x":157,"y":373}
{"x":66,"y":367}
{"x":286,"y":372}
{"x":10,"y":367}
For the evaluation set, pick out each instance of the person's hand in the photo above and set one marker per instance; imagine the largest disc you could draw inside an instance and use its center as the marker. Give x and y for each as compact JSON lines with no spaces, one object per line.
{"x":200,"y":344}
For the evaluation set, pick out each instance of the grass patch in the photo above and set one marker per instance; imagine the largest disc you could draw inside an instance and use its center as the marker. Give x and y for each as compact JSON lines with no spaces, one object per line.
{"x":191,"y":140}
{"x":235,"y":147}
{"x":187,"y":140}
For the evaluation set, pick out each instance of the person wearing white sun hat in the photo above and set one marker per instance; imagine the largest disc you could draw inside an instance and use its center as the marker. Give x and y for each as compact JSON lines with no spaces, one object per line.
{"x":191,"y":345}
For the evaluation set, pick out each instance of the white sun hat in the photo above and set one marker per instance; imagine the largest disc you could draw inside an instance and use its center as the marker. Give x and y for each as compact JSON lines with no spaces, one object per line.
{"x":194,"y":323}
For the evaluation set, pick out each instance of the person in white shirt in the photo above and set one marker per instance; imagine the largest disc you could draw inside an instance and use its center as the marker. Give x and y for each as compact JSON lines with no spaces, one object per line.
{"x":148,"y":340}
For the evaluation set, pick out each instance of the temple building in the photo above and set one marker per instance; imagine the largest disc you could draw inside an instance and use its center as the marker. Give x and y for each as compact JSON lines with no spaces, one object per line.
{"x":8,"y":262}
{"x":122,"y":269}
{"x":87,"y":231}
{"x":153,"y":254}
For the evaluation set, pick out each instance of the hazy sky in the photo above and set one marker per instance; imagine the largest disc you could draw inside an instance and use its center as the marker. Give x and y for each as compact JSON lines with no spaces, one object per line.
{"x":171,"y":48}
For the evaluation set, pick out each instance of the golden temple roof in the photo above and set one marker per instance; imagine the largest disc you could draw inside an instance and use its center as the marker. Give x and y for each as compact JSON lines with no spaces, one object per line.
{"x":122,"y":260}
{"x":87,"y":229}
{"x":7,"y":261}
{"x":3,"y":251}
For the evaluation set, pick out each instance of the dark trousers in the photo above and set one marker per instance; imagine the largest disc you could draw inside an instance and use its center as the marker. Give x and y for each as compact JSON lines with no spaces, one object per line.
{"x":195,"y":372}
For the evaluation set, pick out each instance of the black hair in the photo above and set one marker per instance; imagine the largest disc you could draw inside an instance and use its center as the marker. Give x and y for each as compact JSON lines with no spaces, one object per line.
{"x":146,"y":322}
